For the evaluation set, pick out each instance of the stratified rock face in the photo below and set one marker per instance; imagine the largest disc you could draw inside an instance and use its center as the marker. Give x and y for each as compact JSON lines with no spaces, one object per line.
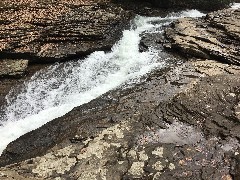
{"x":217,"y":36}
{"x":182,"y":122}
{"x":9,"y":67}
{"x":46,"y":31}
{"x":143,"y":132}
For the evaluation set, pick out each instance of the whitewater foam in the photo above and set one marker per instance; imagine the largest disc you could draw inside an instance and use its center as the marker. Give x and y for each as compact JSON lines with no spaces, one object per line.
{"x":53,"y":92}
{"x":235,"y":6}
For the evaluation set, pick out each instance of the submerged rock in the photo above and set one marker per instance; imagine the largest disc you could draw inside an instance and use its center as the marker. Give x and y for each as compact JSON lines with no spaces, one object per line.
{"x":121,"y":134}
{"x":217,"y":36}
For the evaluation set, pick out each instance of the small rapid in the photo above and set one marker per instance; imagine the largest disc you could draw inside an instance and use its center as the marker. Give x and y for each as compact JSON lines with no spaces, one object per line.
{"x":54,"y":91}
{"x":235,"y":5}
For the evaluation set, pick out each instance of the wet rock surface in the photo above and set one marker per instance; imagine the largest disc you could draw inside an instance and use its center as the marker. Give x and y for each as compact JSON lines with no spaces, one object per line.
{"x":215,"y":36}
{"x":144,"y":132}
{"x":44,"y":31}
{"x":181,"y":122}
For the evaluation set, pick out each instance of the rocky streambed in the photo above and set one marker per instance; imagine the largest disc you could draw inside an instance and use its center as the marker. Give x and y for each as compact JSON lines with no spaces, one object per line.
{"x":121,"y":134}
{"x":180,"y":122}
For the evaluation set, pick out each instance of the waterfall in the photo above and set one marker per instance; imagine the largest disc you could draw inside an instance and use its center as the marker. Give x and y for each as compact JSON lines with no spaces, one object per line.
{"x":54,"y":91}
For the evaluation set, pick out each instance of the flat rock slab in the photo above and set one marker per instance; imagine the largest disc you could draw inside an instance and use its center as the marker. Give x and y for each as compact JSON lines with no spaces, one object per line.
{"x":181,"y":123}
{"x":216,"y":36}
{"x":10,"y":67}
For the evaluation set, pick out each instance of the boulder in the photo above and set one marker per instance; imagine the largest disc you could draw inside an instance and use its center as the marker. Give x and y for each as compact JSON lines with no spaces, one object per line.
{"x":216,"y":36}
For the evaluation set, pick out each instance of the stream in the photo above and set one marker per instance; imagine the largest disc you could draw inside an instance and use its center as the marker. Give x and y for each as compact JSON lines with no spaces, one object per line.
{"x":55,"y":91}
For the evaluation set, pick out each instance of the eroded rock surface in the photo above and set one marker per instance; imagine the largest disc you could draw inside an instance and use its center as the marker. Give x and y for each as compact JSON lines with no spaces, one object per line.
{"x":48,"y":31}
{"x":216,"y":36}
{"x":144,"y":132}
{"x":181,"y":122}
{"x":9,"y":67}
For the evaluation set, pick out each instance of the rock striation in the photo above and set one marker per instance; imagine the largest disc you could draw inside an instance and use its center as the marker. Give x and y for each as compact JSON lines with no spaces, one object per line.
{"x":145,"y":132}
{"x":49,"y":31}
{"x":180,"y":122}
{"x":216,"y":36}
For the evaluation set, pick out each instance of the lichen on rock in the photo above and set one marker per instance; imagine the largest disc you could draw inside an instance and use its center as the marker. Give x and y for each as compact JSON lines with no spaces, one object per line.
{"x":99,"y":140}
{"x":14,"y":68}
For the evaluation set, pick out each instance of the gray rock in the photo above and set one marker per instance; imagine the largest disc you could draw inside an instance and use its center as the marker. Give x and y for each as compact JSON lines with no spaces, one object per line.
{"x":9,"y":67}
{"x":182,"y":122}
{"x":120,"y":135}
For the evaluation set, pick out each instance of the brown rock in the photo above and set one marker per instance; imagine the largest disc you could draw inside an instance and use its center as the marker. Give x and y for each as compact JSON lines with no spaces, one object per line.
{"x":44,"y":31}
{"x":119,"y":135}
{"x":216,"y":36}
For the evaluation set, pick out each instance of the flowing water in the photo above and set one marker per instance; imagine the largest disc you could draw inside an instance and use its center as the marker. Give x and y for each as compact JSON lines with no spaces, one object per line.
{"x":53,"y":92}
{"x":235,"y":6}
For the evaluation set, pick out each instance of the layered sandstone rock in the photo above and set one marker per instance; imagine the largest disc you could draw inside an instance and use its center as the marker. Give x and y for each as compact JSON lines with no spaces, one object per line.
{"x":49,"y":31}
{"x":181,"y":122}
{"x":216,"y":36}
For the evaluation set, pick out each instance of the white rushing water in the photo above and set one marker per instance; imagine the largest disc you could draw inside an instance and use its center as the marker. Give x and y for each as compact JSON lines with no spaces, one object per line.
{"x":53,"y":92}
{"x":235,"y":6}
